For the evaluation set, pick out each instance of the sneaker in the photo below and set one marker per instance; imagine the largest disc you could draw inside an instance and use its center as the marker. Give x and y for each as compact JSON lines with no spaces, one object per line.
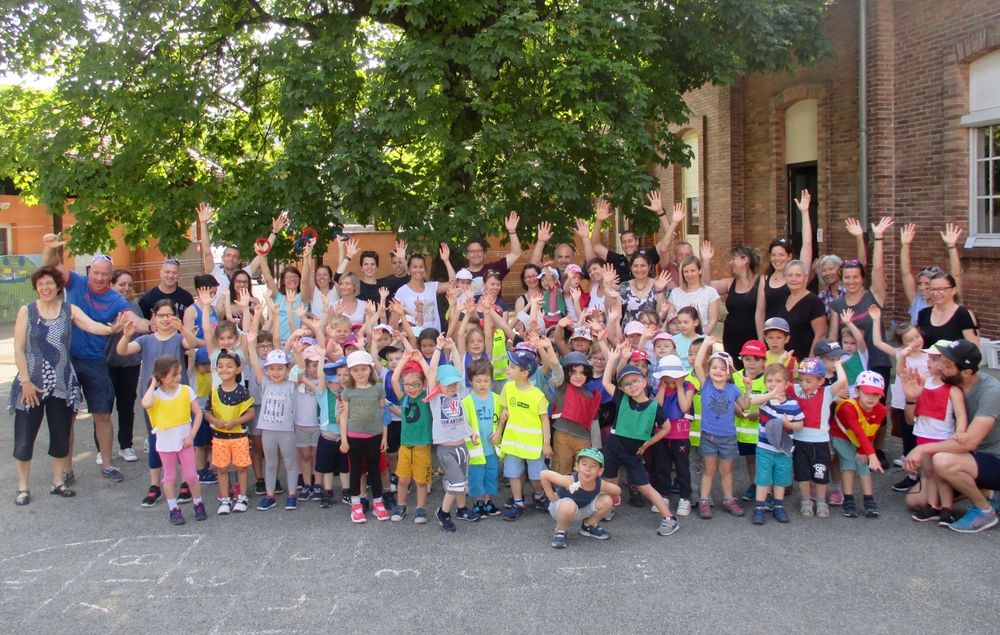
{"x":540,"y":503}
{"x":379,"y":510}
{"x":594,"y":531}
{"x":974,"y":520}
{"x":69,"y":478}
{"x":733,"y":507}
{"x":467,"y":514}
{"x":259,"y":489}
{"x":835,"y":498}
{"x":358,"y":514}
{"x":317,"y":493}
{"x":291,"y":502}
{"x":871,"y":508}
{"x":266,"y":503}
{"x":99,"y":459}
{"x":769,"y":503}
{"x":278,"y":489}
{"x":225,"y":506}
{"x":806,"y":508}
{"x":750,"y":493}
{"x":780,"y":514}
{"x":176,"y":517}
{"x":478,"y":508}
{"x":207,"y":477}
{"x":199,"y":511}
{"x":154,"y":494}
{"x":184,"y":495}
{"x":635,"y":499}
{"x":514,"y":512}
{"x":447,"y":524}
{"x":490,"y":509}
{"x":420,"y":516}
{"x":822,"y":509}
{"x":242,"y":504}
{"x":704,"y":508}
{"x":326,"y":501}
{"x":995,"y":500}
{"x":398,"y":513}
{"x":559,"y":540}
{"x":113,"y":474}
{"x":668,"y":526}
{"x":898,"y":462}
{"x":946,"y":518}
{"x":926,"y":514}
{"x":610,"y":515}
{"x":683,"y":507}
{"x":759,"y":513}
{"x":849,"y":509}
{"x":345,"y":499}
{"x":128,"y":454}
{"x":905,"y":484}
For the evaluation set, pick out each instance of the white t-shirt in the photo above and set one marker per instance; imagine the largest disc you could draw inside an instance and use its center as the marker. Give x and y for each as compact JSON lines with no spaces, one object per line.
{"x":316,"y":303}
{"x":699,"y":299}
{"x":408,"y":297}
{"x":897,"y":398}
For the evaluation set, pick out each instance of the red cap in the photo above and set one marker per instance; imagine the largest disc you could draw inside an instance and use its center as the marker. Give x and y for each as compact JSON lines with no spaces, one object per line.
{"x":412,"y":367}
{"x":639,"y":355}
{"x":755,"y":348}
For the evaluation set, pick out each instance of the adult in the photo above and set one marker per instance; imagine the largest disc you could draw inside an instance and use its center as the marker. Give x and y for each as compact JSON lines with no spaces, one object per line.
{"x":969,"y":463}
{"x":563,"y":255}
{"x":124,"y":372}
{"x":367,"y":281}
{"x":531,"y":276}
{"x":419,"y":296}
{"x":595,"y":294}
{"x":287,"y":295}
{"x":640,"y":292}
{"x":167,"y":289}
{"x":739,"y":292}
{"x":399,"y":275}
{"x":917,"y":289}
{"x":622,"y":262}
{"x":830,"y":286}
{"x":804,"y":311}
{"x":231,"y":259}
{"x":475,"y":251}
{"x":47,"y":384}
{"x":945,"y":318}
{"x":692,"y":291}
{"x":350,"y":305}
{"x":772,"y":292}
{"x":240,"y":285}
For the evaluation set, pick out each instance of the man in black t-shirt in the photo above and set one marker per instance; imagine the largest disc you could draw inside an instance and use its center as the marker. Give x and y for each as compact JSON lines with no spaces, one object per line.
{"x":622,"y":262}
{"x":475,"y":251}
{"x":170,"y":272}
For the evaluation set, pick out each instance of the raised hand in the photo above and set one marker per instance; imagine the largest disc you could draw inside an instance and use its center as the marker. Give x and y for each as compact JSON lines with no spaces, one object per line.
{"x":847,"y":314}
{"x":663,"y":280}
{"x":653,"y":203}
{"x":383,"y":294}
{"x":205,"y":212}
{"x":582,"y":229}
{"x":907,"y":233}
{"x":873,"y":311}
{"x":279,"y":222}
{"x":913,"y":383}
{"x":854,"y":227}
{"x":510,"y":223}
{"x":204,"y":296}
{"x":243,"y":298}
{"x":951,"y":234}
{"x":678,"y":214}
{"x":400,"y":250}
{"x":353,"y":247}
{"x":445,"y":252}
{"x":53,"y":241}
{"x":602,"y":211}
{"x":544,"y":232}
{"x":707,"y":251}
{"x":883,"y":224}
{"x":803,"y":202}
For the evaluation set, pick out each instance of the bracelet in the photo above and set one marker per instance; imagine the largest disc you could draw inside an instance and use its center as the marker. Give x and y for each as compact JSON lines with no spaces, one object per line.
{"x":879,"y":238}
{"x":347,"y":258}
{"x":952,"y":247}
{"x":910,"y":403}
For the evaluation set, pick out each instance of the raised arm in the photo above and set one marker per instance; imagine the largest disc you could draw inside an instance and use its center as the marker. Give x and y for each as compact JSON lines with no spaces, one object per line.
{"x":583,"y":232}
{"x":906,"y":235}
{"x":278,"y":223}
{"x":258,"y":372}
{"x":721,"y":285}
{"x":806,"y":253}
{"x":668,"y":226}
{"x":761,"y":311}
{"x":205,"y":214}
{"x":608,"y":380}
{"x":510,"y":223}
{"x":544,"y":236}
{"x":204,"y":299}
{"x":308,"y":279}
{"x":854,"y":228}
{"x":847,"y":316}
{"x":52,"y":255}
{"x":876,"y":315}
{"x":877,"y":283}
{"x":950,"y":236}
{"x":602,"y":212}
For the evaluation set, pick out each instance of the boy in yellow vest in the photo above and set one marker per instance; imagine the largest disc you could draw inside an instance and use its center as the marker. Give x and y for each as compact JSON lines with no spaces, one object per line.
{"x":482,"y":409}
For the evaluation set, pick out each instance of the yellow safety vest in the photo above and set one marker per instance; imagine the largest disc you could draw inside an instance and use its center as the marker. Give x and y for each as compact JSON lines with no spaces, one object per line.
{"x":522,"y":436}
{"x":695,"y":434}
{"x":867,"y":426}
{"x":476,"y":454}
{"x":747,"y":431}
{"x":499,"y":355}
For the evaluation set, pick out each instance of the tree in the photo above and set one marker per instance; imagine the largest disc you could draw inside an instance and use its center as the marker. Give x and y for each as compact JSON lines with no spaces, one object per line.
{"x":428,"y":116}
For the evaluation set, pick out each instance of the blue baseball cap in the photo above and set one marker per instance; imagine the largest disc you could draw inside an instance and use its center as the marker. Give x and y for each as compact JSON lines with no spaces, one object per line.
{"x":525,"y":360}
{"x":629,"y":370}
{"x":330,"y":368}
{"x":448,"y":375}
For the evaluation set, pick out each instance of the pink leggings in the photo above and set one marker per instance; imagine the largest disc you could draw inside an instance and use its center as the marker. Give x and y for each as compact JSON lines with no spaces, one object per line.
{"x":169,"y":459}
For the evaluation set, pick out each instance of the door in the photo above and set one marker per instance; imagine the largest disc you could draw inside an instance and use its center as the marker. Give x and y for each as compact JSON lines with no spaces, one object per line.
{"x":802,"y":176}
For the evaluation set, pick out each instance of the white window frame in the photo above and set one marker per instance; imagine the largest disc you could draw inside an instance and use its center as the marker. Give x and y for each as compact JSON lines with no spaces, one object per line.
{"x":976,"y":238}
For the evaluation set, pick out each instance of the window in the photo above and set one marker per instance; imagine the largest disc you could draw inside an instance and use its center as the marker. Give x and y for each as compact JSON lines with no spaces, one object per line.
{"x":689,"y":187}
{"x":986,"y":189}
{"x":983,"y":122}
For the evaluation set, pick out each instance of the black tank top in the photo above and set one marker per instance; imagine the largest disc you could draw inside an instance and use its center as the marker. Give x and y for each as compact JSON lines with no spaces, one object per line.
{"x":739,"y":325}
{"x":774,"y":299}
{"x":582,"y":497}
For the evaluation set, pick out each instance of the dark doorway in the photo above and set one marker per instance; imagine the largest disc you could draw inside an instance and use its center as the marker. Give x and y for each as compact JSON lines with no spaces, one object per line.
{"x":802,"y":176}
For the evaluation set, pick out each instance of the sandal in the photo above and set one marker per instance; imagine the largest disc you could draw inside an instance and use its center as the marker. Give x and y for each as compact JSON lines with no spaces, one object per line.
{"x":62,"y":490}
{"x":23,"y":497}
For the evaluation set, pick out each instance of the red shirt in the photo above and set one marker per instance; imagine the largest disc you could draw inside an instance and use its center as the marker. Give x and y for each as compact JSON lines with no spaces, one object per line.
{"x":846,"y":417}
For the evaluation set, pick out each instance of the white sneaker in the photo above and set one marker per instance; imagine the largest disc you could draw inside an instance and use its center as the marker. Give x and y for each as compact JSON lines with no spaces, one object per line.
{"x":683,"y":507}
{"x":653,"y":509}
{"x":145,"y":446}
{"x":128,"y":454}
{"x":242,"y":503}
{"x":100,"y":459}
{"x":899,"y":462}
{"x":225,"y":506}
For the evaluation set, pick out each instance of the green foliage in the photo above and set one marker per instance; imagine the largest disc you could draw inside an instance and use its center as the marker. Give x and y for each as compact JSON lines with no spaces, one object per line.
{"x":431,"y":117}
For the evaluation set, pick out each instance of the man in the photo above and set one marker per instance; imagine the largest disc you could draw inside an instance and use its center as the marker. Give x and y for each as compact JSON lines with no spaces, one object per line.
{"x":622,"y":262}
{"x":95,"y":297}
{"x":475,"y":251}
{"x":565,"y":253}
{"x":167,"y":289}
{"x":231,"y":254}
{"x":971,"y":465}
{"x":399,"y":275}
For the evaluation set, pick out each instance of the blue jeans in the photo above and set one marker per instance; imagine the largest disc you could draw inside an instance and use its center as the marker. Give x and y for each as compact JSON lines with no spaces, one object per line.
{"x":483,"y":477}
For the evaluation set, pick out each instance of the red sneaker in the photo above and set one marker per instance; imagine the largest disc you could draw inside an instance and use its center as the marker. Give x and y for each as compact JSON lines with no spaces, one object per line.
{"x":379,"y":510}
{"x":358,"y":513}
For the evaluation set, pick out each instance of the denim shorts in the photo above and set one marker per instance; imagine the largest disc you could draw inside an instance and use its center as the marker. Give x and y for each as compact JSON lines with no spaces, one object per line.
{"x":96,"y":382}
{"x":514,"y":466}
{"x":848,"y":454}
{"x":725,"y":447}
{"x":772,"y":468}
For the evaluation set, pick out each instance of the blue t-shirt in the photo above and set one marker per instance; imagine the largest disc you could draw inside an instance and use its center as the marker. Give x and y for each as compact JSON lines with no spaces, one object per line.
{"x":102,"y":308}
{"x":485,"y":413}
{"x":717,"y":414}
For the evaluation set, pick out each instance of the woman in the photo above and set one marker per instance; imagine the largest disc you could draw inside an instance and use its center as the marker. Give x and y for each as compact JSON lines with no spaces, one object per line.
{"x":350,"y":305}
{"x":773,"y":291}
{"x":642,"y":293}
{"x":918,"y":290}
{"x":945,"y":318}
{"x":239,"y":284}
{"x":124,"y":372}
{"x":367,"y":281}
{"x":831,"y":286}
{"x":595,"y":271}
{"x":46,"y":385}
{"x":804,"y":311}
{"x":740,"y":293}
{"x":693,"y":292}
{"x":287,"y":296}
{"x":419,"y":290}
{"x":531,"y":283}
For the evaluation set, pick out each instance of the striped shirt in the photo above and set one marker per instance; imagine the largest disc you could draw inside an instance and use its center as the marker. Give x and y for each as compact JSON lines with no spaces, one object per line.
{"x":775,"y":410}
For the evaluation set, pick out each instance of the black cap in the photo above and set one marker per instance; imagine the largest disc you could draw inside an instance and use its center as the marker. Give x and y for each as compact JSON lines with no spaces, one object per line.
{"x":964,"y":353}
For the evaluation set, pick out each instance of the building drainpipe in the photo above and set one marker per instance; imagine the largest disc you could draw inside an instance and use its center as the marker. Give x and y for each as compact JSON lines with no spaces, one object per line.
{"x":863,"y":108}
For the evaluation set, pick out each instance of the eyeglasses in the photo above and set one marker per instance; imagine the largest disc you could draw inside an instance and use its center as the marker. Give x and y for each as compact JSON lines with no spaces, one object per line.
{"x":939,"y":289}
{"x":172,"y":261}
{"x":632,"y":384}
{"x":165,"y":315}
{"x":416,"y":384}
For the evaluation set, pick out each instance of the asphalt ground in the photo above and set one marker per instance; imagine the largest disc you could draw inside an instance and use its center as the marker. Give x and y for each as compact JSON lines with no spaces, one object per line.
{"x":101,"y":563}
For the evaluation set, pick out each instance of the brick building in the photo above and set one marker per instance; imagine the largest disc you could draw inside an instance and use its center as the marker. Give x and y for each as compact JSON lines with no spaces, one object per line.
{"x":932,"y":85}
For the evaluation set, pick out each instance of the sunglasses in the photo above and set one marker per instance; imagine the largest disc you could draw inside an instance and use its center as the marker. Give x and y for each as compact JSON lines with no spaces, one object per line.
{"x":172,"y":261}
{"x":103,"y":257}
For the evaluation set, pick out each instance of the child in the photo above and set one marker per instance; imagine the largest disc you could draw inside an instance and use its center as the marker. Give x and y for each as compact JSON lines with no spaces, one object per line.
{"x":524,"y":432}
{"x":450,"y":430}
{"x":230,"y":407}
{"x":306,"y":378}
{"x":264,"y":344}
{"x":675,"y":395}
{"x":276,"y":423}
{"x":811,"y":458}
{"x":752,"y":354}
{"x":363,"y":435}
{"x":778,"y":413}
{"x":858,"y":419}
{"x":688,"y":330}
{"x":663,"y":345}
{"x":580,"y":495}
{"x":330,"y":461}
{"x":692,"y":378}
{"x":632,"y":434}
{"x":573,"y":413}
{"x":414,"y":463}
{"x":170,"y":406}
{"x":483,"y":406}
{"x":776,"y":337}
{"x":719,"y":398}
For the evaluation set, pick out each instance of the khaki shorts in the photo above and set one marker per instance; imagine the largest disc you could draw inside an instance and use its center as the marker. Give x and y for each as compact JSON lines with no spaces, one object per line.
{"x":565,"y":447}
{"x":306,"y":436}
{"x":226,"y":452}
{"x":415,"y":462}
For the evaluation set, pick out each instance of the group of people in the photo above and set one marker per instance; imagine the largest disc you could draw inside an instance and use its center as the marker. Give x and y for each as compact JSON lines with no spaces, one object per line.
{"x":605,"y":366}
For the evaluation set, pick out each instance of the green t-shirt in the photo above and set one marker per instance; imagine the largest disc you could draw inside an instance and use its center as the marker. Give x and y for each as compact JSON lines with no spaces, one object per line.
{"x":417,"y":420}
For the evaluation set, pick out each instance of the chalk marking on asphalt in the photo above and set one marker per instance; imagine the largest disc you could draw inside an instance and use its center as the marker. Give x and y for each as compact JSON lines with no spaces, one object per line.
{"x":396,"y":572}
{"x":18,"y":582}
{"x":71,"y":580}
{"x":92,"y":607}
{"x":44,"y":549}
{"x":298,"y":604}
{"x":48,"y":568}
{"x":180,"y":560}
{"x":586,"y":567}
{"x":133,"y":559}
{"x":334,"y":609}
{"x":124,"y":580}
{"x":211,"y":582}
{"x":252,"y":580}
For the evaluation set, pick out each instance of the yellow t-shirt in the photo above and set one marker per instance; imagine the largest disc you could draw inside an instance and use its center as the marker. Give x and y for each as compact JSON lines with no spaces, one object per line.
{"x":202,"y":383}
{"x":170,"y":411}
